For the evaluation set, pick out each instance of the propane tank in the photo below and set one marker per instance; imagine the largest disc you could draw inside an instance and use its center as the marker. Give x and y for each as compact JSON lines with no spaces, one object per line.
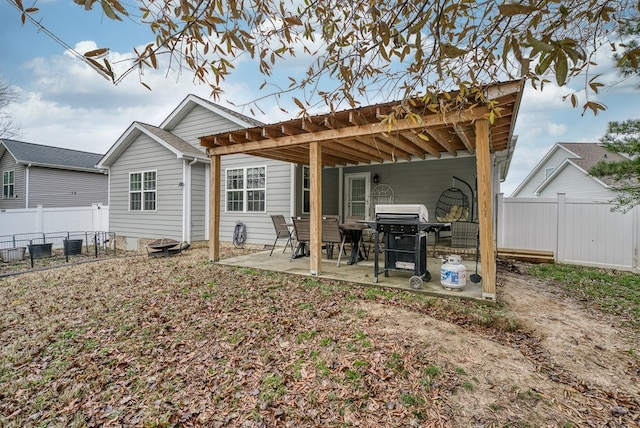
{"x":453,"y":274}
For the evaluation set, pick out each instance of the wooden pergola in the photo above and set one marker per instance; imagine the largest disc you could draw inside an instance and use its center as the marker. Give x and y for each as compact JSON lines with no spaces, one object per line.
{"x":360,"y":136}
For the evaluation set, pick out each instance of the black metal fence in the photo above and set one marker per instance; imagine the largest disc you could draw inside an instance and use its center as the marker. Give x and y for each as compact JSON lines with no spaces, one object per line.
{"x":14,"y":249}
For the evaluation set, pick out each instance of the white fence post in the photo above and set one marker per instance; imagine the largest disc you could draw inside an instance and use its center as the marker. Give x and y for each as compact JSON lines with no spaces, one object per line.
{"x":562,"y":228}
{"x":39,"y":226}
{"x":500,"y":220}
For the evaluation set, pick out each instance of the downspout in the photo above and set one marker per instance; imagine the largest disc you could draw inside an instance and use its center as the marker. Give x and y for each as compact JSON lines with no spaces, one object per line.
{"x":26,"y":186}
{"x":186,"y":200}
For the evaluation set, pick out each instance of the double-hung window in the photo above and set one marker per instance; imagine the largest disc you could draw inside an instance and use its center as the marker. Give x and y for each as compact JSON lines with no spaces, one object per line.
{"x":246,"y":189}
{"x":142,"y":191}
{"x":8,"y":184}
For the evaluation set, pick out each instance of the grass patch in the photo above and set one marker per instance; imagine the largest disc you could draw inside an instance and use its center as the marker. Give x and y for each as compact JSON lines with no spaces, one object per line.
{"x":430,"y":374}
{"x":248,"y":271}
{"x":374,"y":293}
{"x":411,"y":400}
{"x":396,"y":364}
{"x":272,"y":387}
{"x":612,"y":291}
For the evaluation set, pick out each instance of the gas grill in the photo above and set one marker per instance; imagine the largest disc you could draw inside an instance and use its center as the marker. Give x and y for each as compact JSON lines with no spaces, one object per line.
{"x":405,"y":229}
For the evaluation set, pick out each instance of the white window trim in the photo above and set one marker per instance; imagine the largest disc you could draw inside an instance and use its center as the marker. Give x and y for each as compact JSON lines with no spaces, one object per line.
{"x":548,"y":172}
{"x":13,"y":184}
{"x":142,"y":191}
{"x":244,"y":189}
{"x":306,"y":189}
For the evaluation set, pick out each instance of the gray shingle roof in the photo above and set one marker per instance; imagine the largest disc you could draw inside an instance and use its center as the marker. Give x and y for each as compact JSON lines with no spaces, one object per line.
{"x":590,"y":154}
{"x":176,"y":142}
{"x":37,"y":154}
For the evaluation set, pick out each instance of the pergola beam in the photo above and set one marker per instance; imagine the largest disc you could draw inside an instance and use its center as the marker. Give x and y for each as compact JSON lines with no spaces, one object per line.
{"x":275,"y":139}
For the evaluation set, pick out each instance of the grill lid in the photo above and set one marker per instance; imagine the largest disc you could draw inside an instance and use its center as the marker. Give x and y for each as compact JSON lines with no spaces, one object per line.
{"x":413,"y":210}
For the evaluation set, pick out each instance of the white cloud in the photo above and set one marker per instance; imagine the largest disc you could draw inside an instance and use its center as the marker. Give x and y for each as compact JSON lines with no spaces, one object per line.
{"x":556,"y":129}
{"x":67,"y":104}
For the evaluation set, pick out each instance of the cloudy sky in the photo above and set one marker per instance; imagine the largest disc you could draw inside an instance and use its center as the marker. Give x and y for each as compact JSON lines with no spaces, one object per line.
{"x":63,"y":102}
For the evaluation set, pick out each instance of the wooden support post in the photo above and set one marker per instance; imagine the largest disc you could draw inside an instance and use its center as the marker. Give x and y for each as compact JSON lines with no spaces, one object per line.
{"x":485,"y":210}
{"x":214,"y":209}
{"x":315,"y":193}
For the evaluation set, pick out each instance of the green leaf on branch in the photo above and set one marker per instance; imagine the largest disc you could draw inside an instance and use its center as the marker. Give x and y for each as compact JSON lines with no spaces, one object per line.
{"x":561,"y":69}
{"x":538,"y":45}
{"x":108,"y":10}
{"x":451,"y":51}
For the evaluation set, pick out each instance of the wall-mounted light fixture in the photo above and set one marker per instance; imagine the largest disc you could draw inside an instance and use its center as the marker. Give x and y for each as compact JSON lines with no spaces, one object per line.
{"x":376,"y":178}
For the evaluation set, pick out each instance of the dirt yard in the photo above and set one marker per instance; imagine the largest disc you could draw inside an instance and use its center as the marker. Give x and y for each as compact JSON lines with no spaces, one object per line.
{"x":182,"y":342}
{"x":572,"y":367}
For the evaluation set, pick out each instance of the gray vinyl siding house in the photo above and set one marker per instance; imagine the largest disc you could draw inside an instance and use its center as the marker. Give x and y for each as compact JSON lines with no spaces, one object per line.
{"x":182,"y":170}
{"x":422,"y":182}
{"x":52,"y":177}
{"x":173,"y":152}
{"x":565,"y":169}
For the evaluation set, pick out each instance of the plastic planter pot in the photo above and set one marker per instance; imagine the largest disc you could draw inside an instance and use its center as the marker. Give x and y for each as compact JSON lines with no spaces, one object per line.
{"x":8,"y":255}
{"x":73,"y":247}
{"x":39,"y":251}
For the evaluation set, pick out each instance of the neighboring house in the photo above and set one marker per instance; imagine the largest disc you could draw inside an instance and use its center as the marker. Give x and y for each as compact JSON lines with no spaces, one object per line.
{"x":159,"y":178}
{"x":34,"y":174}
{"x":565,"y":169}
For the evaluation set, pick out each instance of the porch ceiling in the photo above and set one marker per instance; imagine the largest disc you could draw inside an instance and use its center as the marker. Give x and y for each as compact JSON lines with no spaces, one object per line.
{"x":357,"y":136}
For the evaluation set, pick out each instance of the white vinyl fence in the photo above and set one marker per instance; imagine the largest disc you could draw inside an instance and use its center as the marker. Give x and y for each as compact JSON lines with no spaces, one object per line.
{"x":578,"y":231}
{"x":47,"y":220}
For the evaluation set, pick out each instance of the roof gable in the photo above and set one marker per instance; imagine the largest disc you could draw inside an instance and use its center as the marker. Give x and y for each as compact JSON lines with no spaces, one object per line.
{"x":582,"y":156}
{"x":51,"y":157}
{"x":163,"y":135}
{"x":587,"y":155}
{"x":166,"y":139}
{"x":192,"y":100}
{"x":568,"y":163}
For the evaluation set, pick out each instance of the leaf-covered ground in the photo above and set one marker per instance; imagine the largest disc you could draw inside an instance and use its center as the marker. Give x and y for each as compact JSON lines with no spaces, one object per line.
{"x":147,"y":342}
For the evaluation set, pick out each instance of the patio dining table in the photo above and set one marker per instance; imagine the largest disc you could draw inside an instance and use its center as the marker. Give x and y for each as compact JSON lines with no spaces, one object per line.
{"x":353,"y":231}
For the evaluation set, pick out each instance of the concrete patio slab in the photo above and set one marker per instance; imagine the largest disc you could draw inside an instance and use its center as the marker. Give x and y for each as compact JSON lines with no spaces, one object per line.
{"x":362,"y":273}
